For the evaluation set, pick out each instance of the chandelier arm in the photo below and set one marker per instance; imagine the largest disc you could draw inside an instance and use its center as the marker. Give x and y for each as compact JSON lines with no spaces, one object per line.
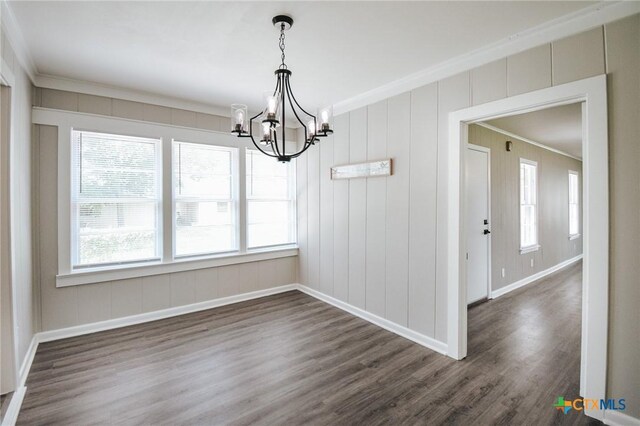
{"x":277,"y":87}
{"x":307,"y":145}
{"x":251,"y":123}
{"x":282,"y":92}
{"x":250,"y":135}
{"x":306,"y":133}
{"x":274,"y":144}
{"x":290,"y":91}
{"x":296,"y":114}
{"x":262,"y":150}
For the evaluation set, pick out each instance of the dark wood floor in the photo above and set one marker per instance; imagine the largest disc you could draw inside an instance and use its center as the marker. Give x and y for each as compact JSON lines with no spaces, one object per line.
{"x":5,"y":400}
{"x":291,"y":359}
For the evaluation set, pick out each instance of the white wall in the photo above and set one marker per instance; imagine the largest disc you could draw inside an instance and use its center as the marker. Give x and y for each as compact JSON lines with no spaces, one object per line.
{"x":385,"y":237}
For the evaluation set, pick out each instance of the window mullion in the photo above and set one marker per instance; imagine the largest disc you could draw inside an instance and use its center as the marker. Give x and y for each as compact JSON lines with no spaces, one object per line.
{"x":242,"y":198}
{"x":167,"y":202}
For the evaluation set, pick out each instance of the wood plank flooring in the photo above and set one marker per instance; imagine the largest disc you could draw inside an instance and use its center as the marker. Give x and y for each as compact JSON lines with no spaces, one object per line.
{"x":291,"y":359}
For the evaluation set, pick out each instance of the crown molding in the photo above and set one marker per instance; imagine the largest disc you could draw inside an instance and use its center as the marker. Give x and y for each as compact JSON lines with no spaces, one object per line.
{"x":555,"y":29}
{"x":18,"y":44}
{"x":526,"y":140}
{"x":579,"y":21}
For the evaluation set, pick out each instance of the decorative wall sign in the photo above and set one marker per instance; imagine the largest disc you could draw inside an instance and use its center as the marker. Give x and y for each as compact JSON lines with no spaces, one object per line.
{"x":371,"y":169}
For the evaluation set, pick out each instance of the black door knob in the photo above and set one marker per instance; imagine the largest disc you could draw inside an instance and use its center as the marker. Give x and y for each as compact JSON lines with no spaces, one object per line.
{"x":486,"y":231}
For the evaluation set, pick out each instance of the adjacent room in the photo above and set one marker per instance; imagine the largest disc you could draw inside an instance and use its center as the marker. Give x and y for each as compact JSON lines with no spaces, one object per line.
{"x":524,"y":246}
{"x":289,"y":213}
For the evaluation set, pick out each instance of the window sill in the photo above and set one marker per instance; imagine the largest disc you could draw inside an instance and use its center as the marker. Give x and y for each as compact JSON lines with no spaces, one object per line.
{"x":179,"y":265}
{"x":530,"y":249}
{"x":574,"y":237}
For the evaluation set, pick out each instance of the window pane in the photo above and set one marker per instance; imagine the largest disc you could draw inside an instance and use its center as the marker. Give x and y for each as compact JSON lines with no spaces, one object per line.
{"x":574,"y":211}
{"x":204,"y":227}
{"x":202,"y":170}
{"x":270,"y":201}
{"x":115,"y":167}
{"x":267,"y":187}
{"x":527,"y":217}
{"x":116,"y":232}
{"x":573,"y":219}
{"x":573,"y":188}
{"x":528,"y":199}
{"x":115,"y":198}
{"x":267,"y":178}
{"x":261,"y":235}
{"x":205,"y":213}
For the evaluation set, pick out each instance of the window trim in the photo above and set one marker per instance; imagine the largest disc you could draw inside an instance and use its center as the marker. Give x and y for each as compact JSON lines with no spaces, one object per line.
{"x":577,"y":175}
{"x":536,"y":246}
{"x":65,"y":121}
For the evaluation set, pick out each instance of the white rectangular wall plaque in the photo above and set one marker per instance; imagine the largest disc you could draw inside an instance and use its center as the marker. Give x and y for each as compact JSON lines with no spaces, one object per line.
{"x":371,"y":169}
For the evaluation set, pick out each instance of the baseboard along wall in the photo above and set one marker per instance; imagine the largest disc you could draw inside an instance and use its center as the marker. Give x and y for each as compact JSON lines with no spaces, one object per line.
{"x":531,"y":278}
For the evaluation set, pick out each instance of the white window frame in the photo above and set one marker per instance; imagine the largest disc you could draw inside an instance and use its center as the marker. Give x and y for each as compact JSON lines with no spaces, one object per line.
{"x":75,"y":213}
{"x":292,"y":191}
{"x":536,"y":246}
{"x":577,"y":175}
{"x":65,"y":121}
{"x":235,"y":195}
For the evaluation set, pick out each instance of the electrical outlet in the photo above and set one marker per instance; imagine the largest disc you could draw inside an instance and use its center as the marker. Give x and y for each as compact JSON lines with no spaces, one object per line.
{"x":502,"y":272}
{"x":532,"y":262}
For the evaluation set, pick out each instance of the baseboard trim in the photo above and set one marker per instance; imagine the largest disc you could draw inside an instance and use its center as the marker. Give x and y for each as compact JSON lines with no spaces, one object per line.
{"x":11,"y":416}
{"x":64,"y":333}
{"x":528,"y":280}
{"x":616,"y":418}
{"x":25,"y":367}
{"x":400,"y":330}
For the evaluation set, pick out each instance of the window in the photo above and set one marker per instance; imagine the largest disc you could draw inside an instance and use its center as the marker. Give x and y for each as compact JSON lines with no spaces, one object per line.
{"x":138,"y":199}
{"x":574,"y":206}
{"x":115,"y":199}
{"x":205,"y":207}
{"x":270,"y":201}
{"x":528,"y":205}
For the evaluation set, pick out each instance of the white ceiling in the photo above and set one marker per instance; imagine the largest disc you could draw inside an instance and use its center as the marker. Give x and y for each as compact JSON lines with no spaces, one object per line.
{"x":223,"y":52}
{"x":558,"y":127}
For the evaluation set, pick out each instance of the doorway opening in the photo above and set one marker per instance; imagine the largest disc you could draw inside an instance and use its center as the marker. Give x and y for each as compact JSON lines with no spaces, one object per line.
{"x":523,"y":264}
{"x":591,"y":93}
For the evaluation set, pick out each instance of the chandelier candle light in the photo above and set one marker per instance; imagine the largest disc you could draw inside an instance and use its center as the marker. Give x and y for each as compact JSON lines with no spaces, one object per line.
{"x":272,"y":118}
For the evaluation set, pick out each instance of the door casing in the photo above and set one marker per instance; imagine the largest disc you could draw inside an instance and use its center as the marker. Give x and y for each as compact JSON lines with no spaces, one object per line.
{"x":595,"y":198}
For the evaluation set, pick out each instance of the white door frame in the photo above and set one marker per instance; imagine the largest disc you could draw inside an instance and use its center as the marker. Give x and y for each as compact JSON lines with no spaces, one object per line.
{"x":7,"y":79}
{"x":488,"y":152}
{"x":595,"y":285}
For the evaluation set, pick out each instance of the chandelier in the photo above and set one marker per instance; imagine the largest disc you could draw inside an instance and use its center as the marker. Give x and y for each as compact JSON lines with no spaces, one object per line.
{"x":271,"y":138}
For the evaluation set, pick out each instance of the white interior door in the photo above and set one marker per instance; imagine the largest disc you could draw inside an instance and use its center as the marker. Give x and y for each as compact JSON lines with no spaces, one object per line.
{"x":478,"y":229}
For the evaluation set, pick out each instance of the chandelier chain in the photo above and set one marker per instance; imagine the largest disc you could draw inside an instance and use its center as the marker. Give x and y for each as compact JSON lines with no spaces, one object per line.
{"x":282,"y":28}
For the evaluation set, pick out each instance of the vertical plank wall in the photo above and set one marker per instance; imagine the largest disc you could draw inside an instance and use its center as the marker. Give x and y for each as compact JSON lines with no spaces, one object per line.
{"x":394,"y":227}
